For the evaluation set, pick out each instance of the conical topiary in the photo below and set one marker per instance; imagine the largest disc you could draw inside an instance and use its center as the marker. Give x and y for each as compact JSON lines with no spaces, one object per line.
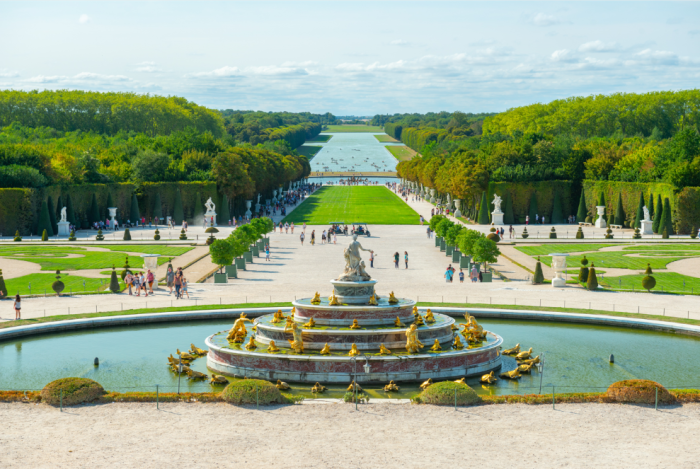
{"x":483,"y":211}
{"x":637,"y":234}
{"x":44,"y":223}
{"x":583,"y":271}
{"x":183,"y":235}
{"x":667,"y":222}
{"x":126,"y":268}
{"x":508,"y":217}
{"x":651,"y":205}
{"x":639,"y":216}
{"x":609,"y":234}
{"x":538,"y":277}
{"x":655,"y":226}
{"x":58,"y":286}
{"x":72,"y":235}
{"x":664,"y":235}
{"x":70,"y":211}
{"x":601,"y":201}
{"x":134,"y":213}
{"x":178,"y":213}
{"x":648,"y":282}
{"x":198,"y":214}
{"x":93,"y":211}
{"x":579,"y":233}
{"x":619,"y":211}
{"x":114,"y":282}
{"x":582,"y":209}
{"x":3,"y":288}
{"x":44,"y":236}
{"x":694,"y":232}
{"x":524,"y":234}
{"x":99,"y":236}
{"x":156,"y":236}
{"x":127,"y":235}
{"x":553,"y":234}
{"x":592,"y":282}
{"x":52,"y":214}
{"x":17,"y":236}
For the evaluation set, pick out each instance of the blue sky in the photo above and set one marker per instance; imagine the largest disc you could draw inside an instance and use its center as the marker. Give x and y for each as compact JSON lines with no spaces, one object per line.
{"x":359,"y":58}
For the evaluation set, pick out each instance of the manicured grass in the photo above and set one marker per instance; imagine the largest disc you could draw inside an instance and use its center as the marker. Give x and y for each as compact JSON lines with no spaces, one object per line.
{"x":170,"y":251}
{"x":352,"y":128}
{"x":385,"y":138}
{"x":41,"y":282}
{"x":560,"y":248}
{"x":671,"y":282}
{"x":401,"y":152}
{"x":309,"y":151}
{"x":372,"y":205}
{"x":321,"y":138}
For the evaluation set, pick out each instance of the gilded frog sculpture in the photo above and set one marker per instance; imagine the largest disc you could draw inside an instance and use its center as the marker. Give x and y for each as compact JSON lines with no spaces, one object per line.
{"x":392,"y":299}
{"x":383,"y":350}
{"x":272,"y":347}
{"x":436,"y":347}
{"x":326,"y":350}
{"x":353,"y":351}
{"x":355,"y":325}
{"x":391,"y":387}
{"x":316,"y":300}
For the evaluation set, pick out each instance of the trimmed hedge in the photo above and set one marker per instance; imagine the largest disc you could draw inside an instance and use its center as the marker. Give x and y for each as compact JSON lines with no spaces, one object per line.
{"x":250,"y":391}
{"x":521,"y":194}
{"x":75,"y":391}
{"x":443,"y":393}
{"x":639,"y":391}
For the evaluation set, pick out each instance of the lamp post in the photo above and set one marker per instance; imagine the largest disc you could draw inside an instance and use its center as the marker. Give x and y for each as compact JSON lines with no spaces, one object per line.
{"x":540,"y":369}
{"x":179,"y":372}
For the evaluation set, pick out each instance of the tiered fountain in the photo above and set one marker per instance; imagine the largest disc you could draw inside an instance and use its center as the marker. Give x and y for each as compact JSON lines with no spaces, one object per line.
{"x":323,"y":339}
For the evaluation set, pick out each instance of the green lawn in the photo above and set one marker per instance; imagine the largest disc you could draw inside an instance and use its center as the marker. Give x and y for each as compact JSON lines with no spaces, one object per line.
{"x":401,"y":152}
{"x":309,"y":151}
{"x":42,"y":282}
{"x":559,"y":248}
{"x":665,"y":281}
{"x":372,"y":205}
{"x":385,"y":138}
{"x":321,"y":138}
{"x":352,"y":128}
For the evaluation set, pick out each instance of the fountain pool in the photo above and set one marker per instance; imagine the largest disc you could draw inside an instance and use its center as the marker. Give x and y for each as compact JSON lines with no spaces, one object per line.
{"x":133,"y":358}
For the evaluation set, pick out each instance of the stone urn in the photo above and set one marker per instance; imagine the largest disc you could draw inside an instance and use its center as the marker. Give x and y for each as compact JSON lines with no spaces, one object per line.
{"x":458,"y":205}
{"x":600,"y":222}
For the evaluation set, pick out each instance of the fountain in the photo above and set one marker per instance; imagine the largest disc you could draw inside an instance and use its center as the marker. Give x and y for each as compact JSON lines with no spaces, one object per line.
{"x":322,"y":339}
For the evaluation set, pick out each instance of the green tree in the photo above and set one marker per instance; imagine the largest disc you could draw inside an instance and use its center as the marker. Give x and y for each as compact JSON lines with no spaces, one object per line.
{"x":667,"y":221}
{"x":225,"y":213}
{"x":134,"y":214}
{"x":619,"y":211}
{"x":44,"y":222}
{"x":601,"y":201}
{"x":592,"y":283}
{"x":648,"y":281}
{"x":150,"y":166}
{"x":538,"y":276}
{"x":70,"y":213}
{"x":443,"y":226}
{"x":486,"y":250}
{"x":533,"y":212}
{"x":178,"y":213}
{"x":483,"y":210}
{"x":582,"y":209}
{"x":157,"y":209}
{"x":557,"y":217}
{"x":435,"y":221}
{"x":114,"y":282}
{"x":508,"y":217}
{"x":658,"y":225}
{"x":466,"y":240}
{"x":651,"y":205}
{"x":247,"y":234}
{"x":93,"y":212}
{"x":640,"y":212}
{"x":222,"y":253}
{"x":52,"y":214}
{"x":57,"y":212}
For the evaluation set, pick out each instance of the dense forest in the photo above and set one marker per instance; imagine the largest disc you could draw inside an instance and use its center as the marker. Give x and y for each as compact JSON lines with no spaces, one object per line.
{"x":256,"y":127}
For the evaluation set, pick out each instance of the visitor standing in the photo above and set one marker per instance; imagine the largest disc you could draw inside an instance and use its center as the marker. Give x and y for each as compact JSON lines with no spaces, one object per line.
{"x":481,"y":277}
{"x":184,"y":288}
{"x":18,"y":308}
{"x":474,"y":275}
{"x":461,"y":276}
{"x":135,"y":282}
{"x":396,"y":260}
{"x":301,"y":237}
{"x":371,"y":259}
{"x":292,"y":227}
{"x":178,"y":284}
{"x":267,"y":252}
{"x":286,"y":228}
{"x":142,"y":281}
{"x":428,"y":231}
{"x":170,"y":278}
{"x":510,"y":231}
{"x":313,"y":237}
{"x":150,"y":278}
{"x":129,"y":280}
{"x":323,"y":237}
{"x":405,"y":258}
{"x":527,"y":219}
{"x":448,"y":275}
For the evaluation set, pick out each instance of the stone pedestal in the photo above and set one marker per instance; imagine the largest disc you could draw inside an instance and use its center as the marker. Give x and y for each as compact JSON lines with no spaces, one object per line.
{"x":113,"y":216}
{"x":63,"y":228}
{"x":150,"y":261}
{"x":208,"y":217}
{"x":497,"y":218}
{"x":600,"y":222}
{"x":646,"y":227}
{"x":353,"y":293}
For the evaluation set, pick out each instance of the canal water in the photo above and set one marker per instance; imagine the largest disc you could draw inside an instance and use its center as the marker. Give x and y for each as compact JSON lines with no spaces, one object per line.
{"x":354,"y":152}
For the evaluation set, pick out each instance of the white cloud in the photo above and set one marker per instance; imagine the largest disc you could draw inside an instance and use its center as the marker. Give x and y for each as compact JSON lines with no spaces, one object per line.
{"x":4,"y":73}
{"x":89,"y":76}
{"x":83,"y":19}
{"x":225,"y":71}
{"x":657,"y":57}
{"x":598,"y":46}
{"x":271,"y":70}
{"x":542,"y":19}
{"x":45,"y":79}
{"x":399,"y":42}
{"x":560,"y":55}
{"x":148,"y":69}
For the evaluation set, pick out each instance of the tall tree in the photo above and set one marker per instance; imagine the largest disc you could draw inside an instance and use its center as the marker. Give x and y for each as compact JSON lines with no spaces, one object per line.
{"x":655,"y":226}
{"x":157,"y":209}
{"x":59,"y":206}
{"x":224,"y":212}
{"x":533,"y":212}
{"x":52,"y":214}
{"x":582,"y":209}
{"x":557,"y":217}
{"x":483,"y":210}
{"x":508,"y":217}
{"x":44,"y":222}
{"x":178,"y":213}
{"x":619,"y":211}
{"x":651,"y":205}
{"x":94,"y":212}
{"x":667,"y":222}
{"x":134,"y":214}
{"x":198,"y":214}
{"x":640,"y":212}
{"x":70,"y":212}
{"x":601,"y":201}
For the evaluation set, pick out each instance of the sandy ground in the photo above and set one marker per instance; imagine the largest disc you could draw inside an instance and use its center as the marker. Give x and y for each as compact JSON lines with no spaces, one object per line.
{"x":330,"y":436}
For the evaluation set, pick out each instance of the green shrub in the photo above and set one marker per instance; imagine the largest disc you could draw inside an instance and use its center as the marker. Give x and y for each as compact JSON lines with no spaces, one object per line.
{"x":493,"y":237}
{"x":14,"y":175}
{"x":579,"y":233}
{"x":483,"y":218}
{"x":524,"y":234}
{"x":443,"y":393}
{"x":250,"y":391}
{"x":583,"y":271}
{"x":100,"y":236}
{"x":114,"y":282}
{"x":538,"y":277}
{"x":609,"y":234}
{"x":17,"y":236}
{"x":127,"y":235}
{"x":589,"y":219}
{"x":553,"y":234}
{"x":58,"y":286}
{"x":183,"y":235}
{"x":44,"y":236}
{"x":72,"y":236}
{"x":362,"y":398}
{"x":648,"y":282}
{"x":637,"y":234}
{"x":592,"y":281}
{"x":75,"y":391}
{"x":639,"y":391}
{"x":156,"y":236}
{"x":694,"y":232}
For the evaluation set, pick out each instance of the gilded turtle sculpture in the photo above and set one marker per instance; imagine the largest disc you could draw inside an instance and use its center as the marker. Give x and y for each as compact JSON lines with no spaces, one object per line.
{"x":427,"y":383}
{"x":512,"y":351}
{"x":524,"y":355}
{"x":391,"y":387}
{"x":318,"y":388}
{"x":489,"y":378}
{"x":281,"y":385}
{"x":514,"y":374}
{"x":218,"y":379}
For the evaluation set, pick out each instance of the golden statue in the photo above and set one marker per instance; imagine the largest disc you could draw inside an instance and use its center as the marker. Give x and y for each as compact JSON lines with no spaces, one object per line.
{"x":174,"y":361}
{"x":413,"y":345}
{"x":373,"y":301}
{"x":298,"y":343}
{"x":392,"y":299}
{"x":429,"y":316}
{"x":525,"y":368}
{"x":524,"y":355}
{"x":426,"y":384}
{"x":461,"y":381}
{"x":355,"y":325}
{"x":316,"y":300}
{"x":290,"y":321}
{"x":419,"y":321}
{"x":294,"y":310}
{"x":398,"y":323}
{"x":531,"y":361}
{"x":278,"y":316}
{"x":326,"y":350}
{"x":391,"y":387}
{"x":218,"y":379}
{"x":185,"y":355}
{"x":318,"y":387}
{"x":185,"y":369}
{"x":436,"y":347}
{"x":333,"y":300}
{"x":272,"y":347}
{"x":353,"y":385}
{"x":474,"y":329}
{"x":383,"y":350}
{"x":195,"y":375}
{"x":454,"y":328}
{"x":512,"y":351}
{"x":251,"y":344}
{"x":515,"y":374}
{"x":489,"y":378}
{"x":458,"y":345}
{"x":353,"y":351}
{"x":281,"y":385}
{"x":311,"y":323}
{"x":238,"y":327}
{"x":415,"y":311}
{"x":194,"y":350}
{"x":238,"y":338}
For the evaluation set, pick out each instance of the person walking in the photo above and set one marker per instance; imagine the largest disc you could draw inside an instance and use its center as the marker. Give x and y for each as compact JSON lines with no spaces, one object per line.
{"x":428,"y":232}
{"x":150,"y":278}
{"x":128,"y":280}
{"x":474,"y":275}
{"x":267,"y":252}
{"x":448,"y":275}
{"x":301,"y":237}
{"x":461,"y":276}
{"x":292,"y":227}
{"x":527,"y":219}
{"x":371,"y":259}
{"x":313,"y":237}
{"x":510,"y":231}
{"x":18,"y":308}
{"x":405,"y":258}
{"x":136,"y":281}
{"x":178,"y":284}
{"x":184,"y":288}
{"x":142,"y":281}
{"x":170,"y":278}
{"x":323,"y":237}
{"x":396,"y":260}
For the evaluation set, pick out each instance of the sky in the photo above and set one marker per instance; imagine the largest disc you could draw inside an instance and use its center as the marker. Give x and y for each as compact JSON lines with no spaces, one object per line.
{"x":352,"y":58}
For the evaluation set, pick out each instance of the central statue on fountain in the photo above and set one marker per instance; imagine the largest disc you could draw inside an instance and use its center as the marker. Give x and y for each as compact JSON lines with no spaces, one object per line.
{"x":354,"y":267}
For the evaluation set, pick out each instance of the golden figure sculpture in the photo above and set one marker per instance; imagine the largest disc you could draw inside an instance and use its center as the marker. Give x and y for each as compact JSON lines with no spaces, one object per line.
{"x":392,"y":299}
{"x":318,"y":388}
{"x":290,"y":321}
{"x":415,"y":311}
{"x":524,"y":355}
{"x":461,"y":381}
{"x":316,"y":300}
{"x":281,"y":385}
{"x":429,"y":316}
{"x":489,"y":378}
{"x":413,"y":345}
{"x":310,"y":324}
{"x":355,"y":325}
{"x":195,"y":375}
{"x":383,"y":350}
{"x":515,"y":374}
{"x":218,"y":379}
{"x":391,"y":387}
{"x":326,"y":350}
{"x":458,"y":345}
{"x":353,"y":385}
{"x":353,"y":351}
{"x":531,"y":361}
{"x":426,"y":384}
{"x":419,"y":321}
{"x":454,"y":327}
{"x":174,"y":361}
{"x":278,"y":316}
{"x":238,"y":338}
{"x":333,"y":300}
{"x":272,"y":347}
{"x":185,"y":369}
{"x":239,"y":327}
{"x":298,"y":343}
{"x":194,"y":350}
{"x":398,"y":323}
{"x":251,"y":344}
{"x":525,"y":368}
{"x":436,"y":347}
{"x":512,"y":351}
{"x":373,"y":301}
{"x":293,"y":311}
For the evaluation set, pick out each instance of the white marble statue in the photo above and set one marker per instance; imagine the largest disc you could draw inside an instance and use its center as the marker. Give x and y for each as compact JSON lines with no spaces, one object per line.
{"x":354,"y":270}
{"x":64,"y":214}
{"x":647,"y":217}
{"x":258,"y":198}
{"x":496,"y":204}
{"x":209,"y":205}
